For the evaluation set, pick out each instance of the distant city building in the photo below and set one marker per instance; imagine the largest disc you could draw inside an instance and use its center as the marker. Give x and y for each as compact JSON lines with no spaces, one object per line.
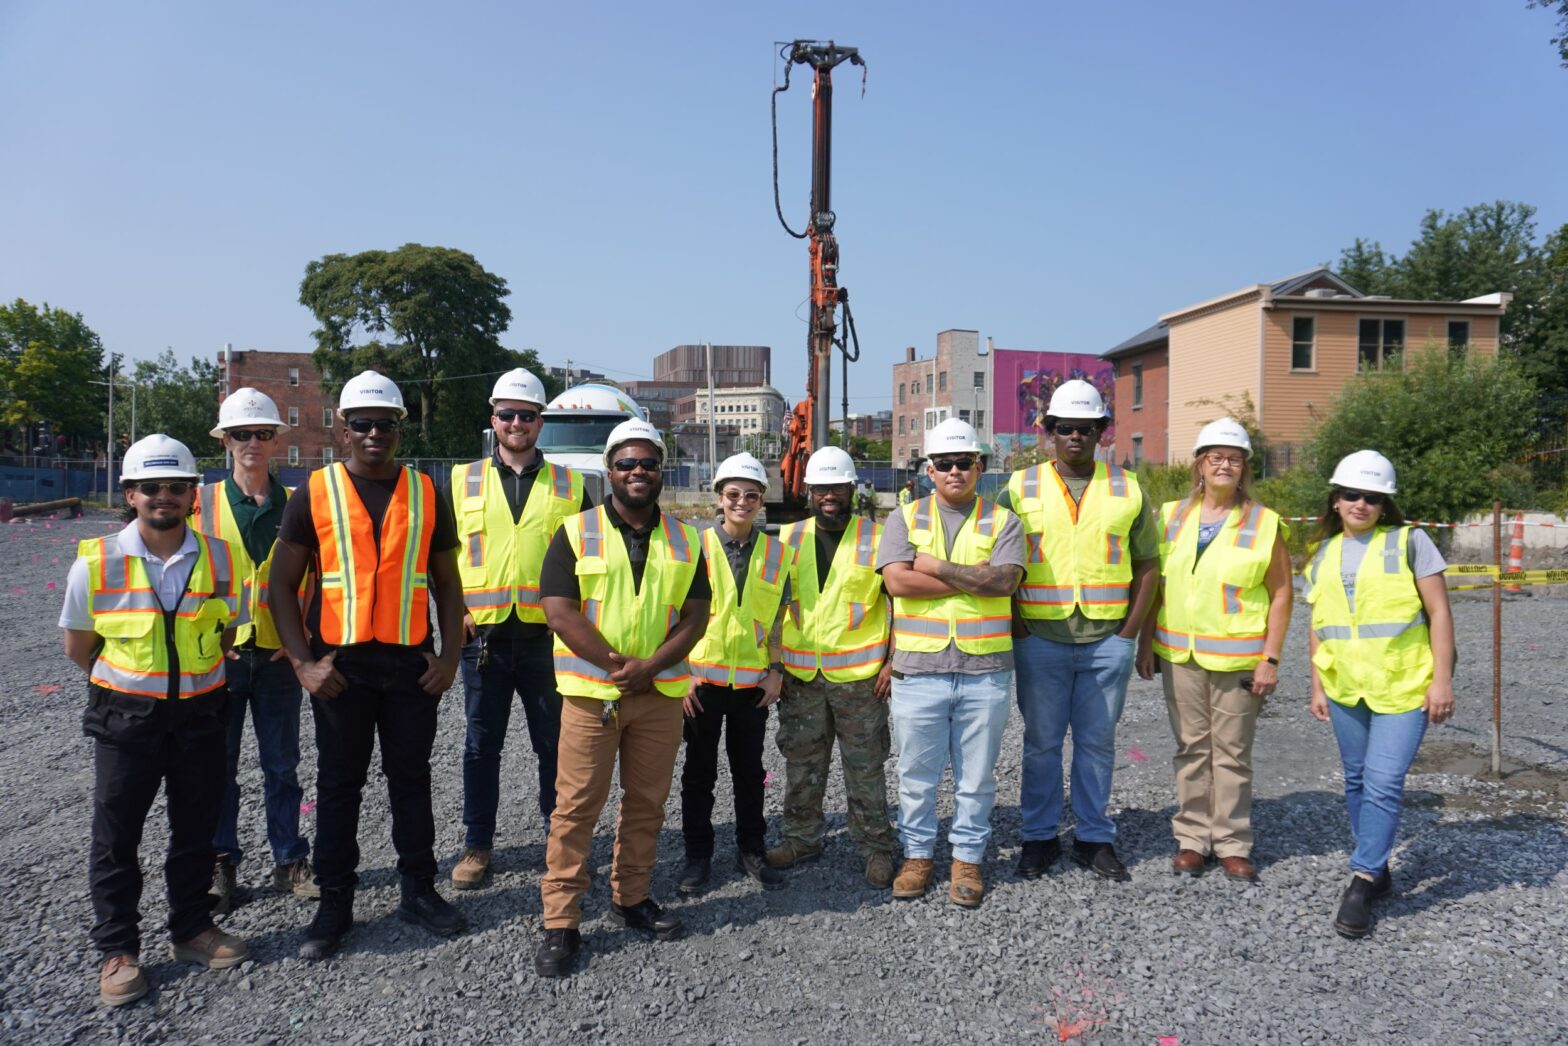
{"x":294,"y":384}
{"x":757,"y":413}
{"x":866,"y":426}
{"x":570,"y":375}
{"x":658,"y":398}
{"x":734,"y":366}
{"x":691,"y":441}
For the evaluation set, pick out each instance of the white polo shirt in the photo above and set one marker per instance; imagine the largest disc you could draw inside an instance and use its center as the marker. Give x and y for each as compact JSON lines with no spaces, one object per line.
{"x":168,"y":577}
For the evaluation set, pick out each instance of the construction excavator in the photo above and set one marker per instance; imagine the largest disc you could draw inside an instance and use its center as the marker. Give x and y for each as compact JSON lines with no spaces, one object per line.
{"x":808,"y":421}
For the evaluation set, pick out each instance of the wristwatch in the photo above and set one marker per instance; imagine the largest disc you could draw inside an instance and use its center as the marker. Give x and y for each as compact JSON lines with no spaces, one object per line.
{"x":1271,"y":660}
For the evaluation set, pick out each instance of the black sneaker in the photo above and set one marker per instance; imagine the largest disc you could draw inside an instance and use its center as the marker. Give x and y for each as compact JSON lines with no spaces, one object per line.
{"x":334,"y":918}
{"x":756,"y":866}
{"x":694,"y":877}
{"x":647,"y":916}
{"x":558,"y":951}
{"x":1355,"y":909}
{"x":1038,"y":856}
{"x":1383,"y":885}
{"x":422,"y":906}
{"x":1101,"y":859}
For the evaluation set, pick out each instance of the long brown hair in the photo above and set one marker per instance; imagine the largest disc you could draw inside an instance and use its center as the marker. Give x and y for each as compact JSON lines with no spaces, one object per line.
{"x":1330,"y":524}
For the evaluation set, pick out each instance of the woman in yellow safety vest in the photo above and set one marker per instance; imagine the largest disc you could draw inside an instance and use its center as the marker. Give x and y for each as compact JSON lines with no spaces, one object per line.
{"x":1382,"y":661}
{"x":1224,"y":604}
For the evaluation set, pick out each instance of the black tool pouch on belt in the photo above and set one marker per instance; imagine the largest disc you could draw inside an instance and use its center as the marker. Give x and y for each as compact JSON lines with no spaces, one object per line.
{"x":123,"y":720}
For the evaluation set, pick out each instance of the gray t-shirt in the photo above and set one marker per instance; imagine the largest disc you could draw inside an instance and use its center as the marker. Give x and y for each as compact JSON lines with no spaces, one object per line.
{"x":1008,"y":550}
{"x":1425,"y":559}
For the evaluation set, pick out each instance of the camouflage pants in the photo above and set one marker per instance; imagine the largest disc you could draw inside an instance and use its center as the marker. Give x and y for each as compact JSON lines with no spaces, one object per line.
{"x":810,"y":717}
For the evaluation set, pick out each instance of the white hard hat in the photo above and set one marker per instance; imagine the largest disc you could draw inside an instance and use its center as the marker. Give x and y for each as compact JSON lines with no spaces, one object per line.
{"x":370,"y":389}
{"x":1226,"y":432}
{"x":158,"y":457}
{"x":628,"y":430}
{"x":830,"y":466}
{"x":741,"y":466}
{"x":518,"y":384}
{"x":247,"y":408}
{"x":1076,"y":399}
{"x":952,"y":437}
{"x":1365,"y":470}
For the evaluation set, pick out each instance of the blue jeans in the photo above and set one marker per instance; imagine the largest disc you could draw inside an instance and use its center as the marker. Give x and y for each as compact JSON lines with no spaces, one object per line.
{"x":942,"y":718}
{"x":526,"y":667}
{"x":1077,"y":685}
{"x":271,"y":691}
{"x":1376,"y":750}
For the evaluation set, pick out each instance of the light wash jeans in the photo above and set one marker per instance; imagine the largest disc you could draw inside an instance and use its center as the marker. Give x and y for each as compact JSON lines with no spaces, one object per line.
{"x":1077,"y":685}
{"x":937,"y":719}
{"x":1376,"y":750}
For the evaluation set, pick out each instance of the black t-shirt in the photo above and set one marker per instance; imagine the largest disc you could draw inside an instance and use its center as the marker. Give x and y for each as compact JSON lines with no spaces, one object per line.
{"x":298,"y":527}
{"x":558,"y":576}
{"x":827,"y":548}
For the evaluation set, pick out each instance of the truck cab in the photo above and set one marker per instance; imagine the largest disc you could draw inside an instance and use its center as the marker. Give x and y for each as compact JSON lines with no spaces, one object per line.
{"x":576,"y":425}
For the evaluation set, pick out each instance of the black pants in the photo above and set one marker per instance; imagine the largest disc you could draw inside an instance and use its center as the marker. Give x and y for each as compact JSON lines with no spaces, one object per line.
{"x":383,"y":699}
{"x":140,"y":743}
{"x":748,"y":726}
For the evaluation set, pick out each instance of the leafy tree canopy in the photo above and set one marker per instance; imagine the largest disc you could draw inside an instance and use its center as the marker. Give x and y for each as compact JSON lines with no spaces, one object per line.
{"x":177,"y":400}
{"x":47,"y":358}
{"x":1560,"y":41}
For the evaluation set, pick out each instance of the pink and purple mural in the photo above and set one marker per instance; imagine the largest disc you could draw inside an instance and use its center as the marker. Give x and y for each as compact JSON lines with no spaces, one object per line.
{"x":1023,"y":386}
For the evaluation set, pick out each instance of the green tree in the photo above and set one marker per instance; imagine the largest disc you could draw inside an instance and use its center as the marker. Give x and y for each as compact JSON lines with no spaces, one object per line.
{"x":1560,"y":41}
{"x":177,"y":400}
{"x":1366,"y":267}
{"x":47,"y":358}
{"x":430,"y":319}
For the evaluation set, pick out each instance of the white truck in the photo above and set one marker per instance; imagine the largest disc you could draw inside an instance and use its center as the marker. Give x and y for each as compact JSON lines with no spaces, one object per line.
{"x":576,"y":425}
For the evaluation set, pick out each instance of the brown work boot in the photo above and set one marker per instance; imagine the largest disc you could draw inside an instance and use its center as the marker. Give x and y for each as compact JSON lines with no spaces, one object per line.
{"x":297,"y":878}
{"x":914,"y":879}
{"x":967,"y":888}
{"x":472,"y":869}
{"x":211,"y":948}
{"x":120,"y":981}
{"x":879,"y":870}
{"x":789,"y":853}
{"x":226,"y":892}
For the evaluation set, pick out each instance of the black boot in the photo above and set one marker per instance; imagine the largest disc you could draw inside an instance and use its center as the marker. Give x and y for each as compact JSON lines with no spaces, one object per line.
{"x":1038,"y":856}
{"x":1383,"y":885}
{"x":557,"y":952}
{"x":334,"y":918}
{"x":1355,"y":909}
{"x":756,"y":866}
{"x":694,"y":877}
{"x":422,"y":906}
{"x":646,"y":915}
{"x":1101,"y":859}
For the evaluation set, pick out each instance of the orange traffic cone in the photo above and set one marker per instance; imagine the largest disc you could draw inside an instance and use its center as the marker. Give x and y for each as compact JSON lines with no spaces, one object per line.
{"x":1516,"y":550}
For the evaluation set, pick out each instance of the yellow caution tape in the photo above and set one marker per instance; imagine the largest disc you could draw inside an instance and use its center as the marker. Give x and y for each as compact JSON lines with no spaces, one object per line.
{"x":1472,"y":568}
{"x":1517,"y":577}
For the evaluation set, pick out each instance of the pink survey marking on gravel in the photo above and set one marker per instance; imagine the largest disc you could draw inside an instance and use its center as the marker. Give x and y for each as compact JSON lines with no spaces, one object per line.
{"x":307,"y":806}
{"x":767,"y":779}
{"x":1136,"y":754}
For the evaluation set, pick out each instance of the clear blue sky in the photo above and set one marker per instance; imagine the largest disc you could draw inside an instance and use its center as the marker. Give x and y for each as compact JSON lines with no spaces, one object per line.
{"x":1053,"y":175}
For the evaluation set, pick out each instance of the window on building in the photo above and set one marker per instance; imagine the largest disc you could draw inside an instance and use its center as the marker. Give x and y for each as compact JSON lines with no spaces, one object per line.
{"x":979,"y":379}
{"x":326,"y":417}
{"x":1303,"y":343}
{"x":979,"y":419}
{"x":901,"y":394}
{"x":293,"y":455}
{"x":326,"y":455}
{"x":1379,"y":342}
{"x":293,"y":375}
{"x":928,"y":384}
{"x":941,"y":381}
{"x":1458,"y":337}
{"x":963,"y":415}
{"x":900,"y":424}
{"x":1137,"y":386}
{"x":1137,"y":450}
{"x":294,"y":417}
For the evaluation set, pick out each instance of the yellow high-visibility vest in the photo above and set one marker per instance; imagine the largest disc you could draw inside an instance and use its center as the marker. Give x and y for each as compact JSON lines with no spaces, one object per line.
{"x":1382,"y":652}
{"x":841,"y":630}
{"x":905,"y":496}
{"x":215,"y":517}
{"x":134,"y":657}
{"x":980,"y":624}
{"x":734,"y":649}
{"x":1077,"y":551}
{"x":635,"y":622}
{"x":498,"y":559}
{"x":1216,"y":607}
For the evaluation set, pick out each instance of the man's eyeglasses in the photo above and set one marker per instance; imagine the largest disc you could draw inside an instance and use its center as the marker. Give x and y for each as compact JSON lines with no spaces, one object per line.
{"x":1219,"y":460}
{"x":151,"y":488}
{"x":750,"y":497}
{"x":246,"y":435}
{"x":1368,"y":496}
{"x":633,"y":464}
{"x":949,"y":464}
{"x":506,"y":417}
{"x":364,"y":426}
{"x":1064,"y":429}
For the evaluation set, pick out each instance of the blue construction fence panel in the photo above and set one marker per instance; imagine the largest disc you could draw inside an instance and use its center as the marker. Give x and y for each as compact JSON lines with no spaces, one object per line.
{"x":24,"y":485}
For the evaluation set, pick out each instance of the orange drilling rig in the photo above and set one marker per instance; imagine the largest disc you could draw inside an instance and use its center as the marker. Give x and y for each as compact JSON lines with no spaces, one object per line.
{"x":808,"y":422}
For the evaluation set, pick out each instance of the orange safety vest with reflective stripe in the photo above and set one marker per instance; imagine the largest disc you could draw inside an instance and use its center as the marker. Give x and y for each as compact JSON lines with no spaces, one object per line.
{"x":979,"y":624}
{"x":215,"y":517}
{"x":372,"y":592}
{"x":135,"y":655}
{"x":634,"y":620}
{"x":1215,"y":609}
{"x":1077,"y":551}
{"x":842,"y":629}
{"x":734,"y":649}
{"x":498,"y":559}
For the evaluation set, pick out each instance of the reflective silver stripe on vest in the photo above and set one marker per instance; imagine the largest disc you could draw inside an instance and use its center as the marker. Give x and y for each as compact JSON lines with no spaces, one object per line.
{"x":205,"y":504}
{"x":528,"y":596}
{"x":112,"y":564}
{"x":854,"y":659}
{"x":562,"y":482}
{"x":578,"y":667}
{"x":411,"y":579}
{"x":673,"y":533}
{"x":1391,"y":551}
{"x":759,"y":633}
{"x":864,"y":545}
{"x":1173,"y":527}
{"x":1247,"y":536}
{"x":675,"y":674}
{"x":474,"y":480}
{"x":189,"y":685}
{"x":122,"y":601}
{"x":1036,"y":543}
{"x":591,"y":611}
{"x":1104,"y":593}
{"x":1031,"y":482}
{"x":774,"y":558}
{"x":983,"y":628}
{"x":262,"y":596}
{"x":1169,"y":637}
{"x":1317,"y":561}
{"x":985,"y":519}
{"x":797,"y":534}
{"x":488,"y":599}
{"x":1390,"y":629}
{"x":1247,"y":646}
{"x":1232,"y":595}
{"x":1328,"y":632}
{"x":919,"y":626}
{"x":1047,"y":595}
{"x":1113,"y":549}
{"x":589,"y":534}
{"x":1118,"y":480}
{"x":798,"y":659}
{"x":476,"y":549}
{"x":923,"y":513}
{"x":857,"y":615}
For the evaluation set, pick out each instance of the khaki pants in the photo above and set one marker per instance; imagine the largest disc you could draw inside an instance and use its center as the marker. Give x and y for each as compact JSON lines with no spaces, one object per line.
{"x":646,"y":737}
{"x":1214,"y":719}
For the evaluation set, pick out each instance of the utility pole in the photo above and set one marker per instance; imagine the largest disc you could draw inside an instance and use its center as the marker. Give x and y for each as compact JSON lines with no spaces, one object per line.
{"x":713,"y":430}
{"x":108,"y":476}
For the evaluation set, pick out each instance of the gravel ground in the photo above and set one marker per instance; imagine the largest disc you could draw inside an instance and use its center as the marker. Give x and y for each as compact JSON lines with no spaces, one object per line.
{"x":1462,"y":953}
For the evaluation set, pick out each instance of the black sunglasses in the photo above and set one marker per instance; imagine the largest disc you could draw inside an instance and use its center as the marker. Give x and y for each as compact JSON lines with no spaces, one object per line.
{"x":245,"y":435}
{"x":632,"y":464}
{"x":949,"y":464}
{"x":1362,"y":495}
{"x":506,"y":417}
{"x":151,"y":488}
{"x":364,"y":426}
{"x":1063,"y":429}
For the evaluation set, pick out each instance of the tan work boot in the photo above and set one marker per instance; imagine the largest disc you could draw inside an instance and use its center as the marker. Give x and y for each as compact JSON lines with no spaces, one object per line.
{"x":789,"y":853}
{"x":472,"y":869}
{"x":297,"y":878}
{"x":120,"y":980}
{"x":968,"y":888}
{"x":211,"y":948}
{"x":879,"y":870}
{"x":226,"y":892}
{"x":914,"y":879}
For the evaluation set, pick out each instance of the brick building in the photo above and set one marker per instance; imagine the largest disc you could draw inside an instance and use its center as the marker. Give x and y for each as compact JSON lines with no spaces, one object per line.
{"x":734,"y":366}
{"x":294,"y":384}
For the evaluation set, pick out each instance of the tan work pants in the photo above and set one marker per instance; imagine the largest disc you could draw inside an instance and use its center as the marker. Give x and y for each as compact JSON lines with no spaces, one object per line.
{"x":645,"y":736}
{"x":1214,"y":719}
